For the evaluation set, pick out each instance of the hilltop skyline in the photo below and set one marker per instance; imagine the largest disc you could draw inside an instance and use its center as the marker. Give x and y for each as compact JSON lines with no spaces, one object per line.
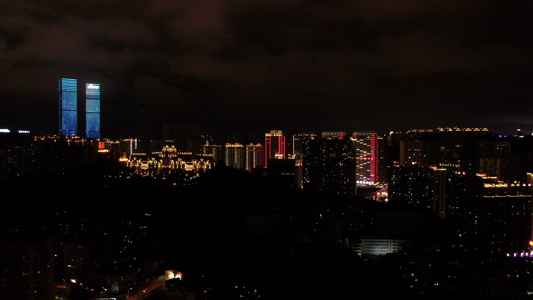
{"x":234,"y":65}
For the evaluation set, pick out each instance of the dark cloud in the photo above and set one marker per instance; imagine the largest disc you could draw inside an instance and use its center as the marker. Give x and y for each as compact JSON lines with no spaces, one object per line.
{"x":229,"y":64}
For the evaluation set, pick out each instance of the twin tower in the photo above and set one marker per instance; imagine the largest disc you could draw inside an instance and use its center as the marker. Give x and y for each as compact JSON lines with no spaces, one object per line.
{"x":68,"y":108}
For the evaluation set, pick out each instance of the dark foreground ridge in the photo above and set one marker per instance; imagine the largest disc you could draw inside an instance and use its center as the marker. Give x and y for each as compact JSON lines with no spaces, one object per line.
{"x":231,"y":234}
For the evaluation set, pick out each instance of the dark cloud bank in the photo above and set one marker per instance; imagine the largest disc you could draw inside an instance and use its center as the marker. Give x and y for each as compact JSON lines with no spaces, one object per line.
{"x":255,"y":65}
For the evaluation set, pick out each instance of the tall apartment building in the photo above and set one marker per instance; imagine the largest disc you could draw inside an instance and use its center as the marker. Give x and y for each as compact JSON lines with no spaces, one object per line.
{"x":254,"y":156}
{"x":366,"y":156}
{"x":328,"y":165}
{"x":234,"y":155}
{"x":274,"y":144}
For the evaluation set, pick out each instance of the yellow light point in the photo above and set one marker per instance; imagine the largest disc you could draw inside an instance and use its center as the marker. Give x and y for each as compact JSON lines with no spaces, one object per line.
{"x":531,"y":243}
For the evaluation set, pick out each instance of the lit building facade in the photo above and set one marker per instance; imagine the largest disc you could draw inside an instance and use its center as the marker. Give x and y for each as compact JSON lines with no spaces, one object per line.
{"x":234,"y":155}
{"x":274,"y":144}
{"x":340,"y":135}
{"x":365,"y":145}
{"x":217,"y":151}
{"x":92,"y":110}
{"x":169,"y":161}
{"x":254,"y":156}
{"x":377,"y":246}
{"x":128,"y":146}
{"x":68,"y":107}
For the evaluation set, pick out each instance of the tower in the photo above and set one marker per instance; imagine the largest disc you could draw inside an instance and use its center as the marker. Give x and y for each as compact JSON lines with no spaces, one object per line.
{"x":327,"y":165}
{"x":216,"y":150}
{"x":92,"y":110}
{"x":68,"y":107}
{"x":254,"y":157}
{"x":274,"y":144}
{"x":299,"y":140}
{"x":366,"y":156}
{"x":234,"y":155}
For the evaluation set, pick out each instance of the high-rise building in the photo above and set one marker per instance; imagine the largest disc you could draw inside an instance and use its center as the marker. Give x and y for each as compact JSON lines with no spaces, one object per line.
{"x":92,"y":109}
{"x":299,"y":140}
{"x":68,"y":107}
{"x":129,"y":146}
{"x":217,"y":151}
{"x":234,"y":155}
{"x":328,"y":165}
{"x":274,"y":144}
{"x":334,"y":135}
{"x":366,"y":157}
{"x":455,"y":148}
{"x":254,"y":156}
{"x":412,"y":185}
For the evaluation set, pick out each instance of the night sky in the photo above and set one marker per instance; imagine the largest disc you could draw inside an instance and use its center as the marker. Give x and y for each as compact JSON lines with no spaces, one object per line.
{"x":254,"y":65}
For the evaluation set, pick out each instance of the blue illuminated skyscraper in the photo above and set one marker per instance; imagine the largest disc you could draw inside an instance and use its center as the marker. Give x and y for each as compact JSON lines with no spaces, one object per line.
{"x":92,"y":109}
{"x":68,"y":107}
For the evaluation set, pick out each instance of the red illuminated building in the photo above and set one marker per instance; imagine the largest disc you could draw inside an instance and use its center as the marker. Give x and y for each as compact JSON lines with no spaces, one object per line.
{"x":274,"y":144}
{"x":366,"y":155}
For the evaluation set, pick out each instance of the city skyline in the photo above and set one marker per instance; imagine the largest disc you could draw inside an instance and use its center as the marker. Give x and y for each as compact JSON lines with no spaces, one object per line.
{"x":366,"y":65}
{"x":127,"y":214}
